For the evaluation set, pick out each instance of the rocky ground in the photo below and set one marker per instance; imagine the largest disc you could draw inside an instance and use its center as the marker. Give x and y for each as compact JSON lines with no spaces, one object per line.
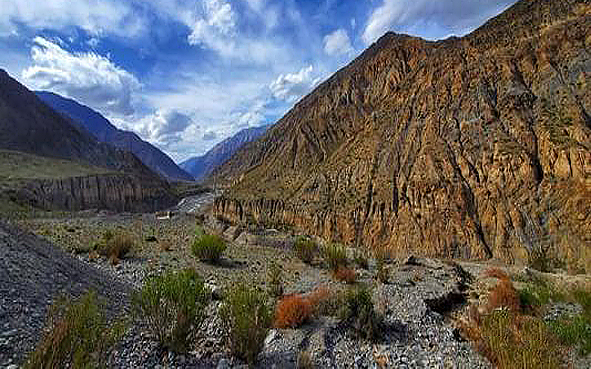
{"x":418,"y":302}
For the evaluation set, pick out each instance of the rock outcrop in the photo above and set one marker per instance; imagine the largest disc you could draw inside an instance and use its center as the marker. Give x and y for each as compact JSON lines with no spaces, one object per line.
{"x":475,"y":147}
{"x":117,"y":192}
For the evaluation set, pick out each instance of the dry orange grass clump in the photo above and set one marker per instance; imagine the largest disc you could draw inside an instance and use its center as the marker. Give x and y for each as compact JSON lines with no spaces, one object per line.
{"x":293,"y":311}
{"x":346,"y":275}
{"x":504,"y":295}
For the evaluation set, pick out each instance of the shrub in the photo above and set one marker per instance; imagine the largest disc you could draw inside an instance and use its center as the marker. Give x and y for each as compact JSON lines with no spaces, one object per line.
{"x":209,"y":248}
{"x":293,"y":311}
{"x":510,"y":340}
{"x":305,"y":249}
{"x":77,"y":336}
{"x":115,"y":246}
{"x":503,"y":294}
{"x":172,"y":304}
{"x":361,"y":260}
{"x":382,"y":274}
{"x":335,"y":256}
{"x":247,"y":318}
{"x":326,"y":302}
{"x":359,"y":313}
{"x":274,"y":280}
{"x":346,"y":275}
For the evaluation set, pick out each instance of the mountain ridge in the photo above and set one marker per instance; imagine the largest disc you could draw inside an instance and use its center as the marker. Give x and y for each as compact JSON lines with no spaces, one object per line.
{"x":202,"y":166}
{"x":104,"y":131}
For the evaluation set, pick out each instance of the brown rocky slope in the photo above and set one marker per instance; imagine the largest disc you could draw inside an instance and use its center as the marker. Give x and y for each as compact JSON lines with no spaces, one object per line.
{"x":475,"y":147}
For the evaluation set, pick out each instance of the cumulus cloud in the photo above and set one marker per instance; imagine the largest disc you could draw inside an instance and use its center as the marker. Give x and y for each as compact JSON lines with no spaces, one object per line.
{"x":94,"y":16}
{"x":337,"y":43}
{"x":215,"y":24}
{"x":88,"y":77}
{"x":164,"y":127}
{"x":423,"y":16}
{"x":290,"y":87}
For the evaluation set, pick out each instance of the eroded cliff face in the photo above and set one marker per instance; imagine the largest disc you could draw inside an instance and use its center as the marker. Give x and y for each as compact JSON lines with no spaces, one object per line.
{"x":117,"y":192}
{"x":476,"y":147}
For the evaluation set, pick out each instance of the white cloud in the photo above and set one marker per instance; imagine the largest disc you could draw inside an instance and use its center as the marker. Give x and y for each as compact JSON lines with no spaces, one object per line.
{"x":94,"y":16}
{"x":214,"y":25}
{"x":290,"y":87}
{"x":210,"y":136}
{"x":87,"y":77}
{"x":426,"y":17}
{"x":337,"y":43}
{"x":164,"y":127}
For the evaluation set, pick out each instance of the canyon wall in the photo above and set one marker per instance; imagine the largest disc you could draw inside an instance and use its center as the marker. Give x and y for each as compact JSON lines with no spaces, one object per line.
{"x":476,"y":147}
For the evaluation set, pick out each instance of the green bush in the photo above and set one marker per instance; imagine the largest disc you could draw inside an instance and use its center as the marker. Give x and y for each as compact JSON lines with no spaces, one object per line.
{"x":247,"y":318}
{"x":305,"y":249}
{"x":77,"y":336}
{"x":335,"y":257}
{"x":275,"y":280}
{"x":359,"y":313}
{"x":171,"y":304}
{"x":209,"y":247}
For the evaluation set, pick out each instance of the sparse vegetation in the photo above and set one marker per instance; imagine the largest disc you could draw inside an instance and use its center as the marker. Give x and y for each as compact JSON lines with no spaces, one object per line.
{"x":171,"y":304}
{"x":209,"y":248}
{"x":78,"y":336}
{"x":511,"y":340}
{"x":275,"y":280}
{"x":359,"y":313}
{"x":247,"y":317}
{"x":327,"y":302}
{"x":382,"y":273}
{"x":305,"y":249}
{"x":335,"y":257}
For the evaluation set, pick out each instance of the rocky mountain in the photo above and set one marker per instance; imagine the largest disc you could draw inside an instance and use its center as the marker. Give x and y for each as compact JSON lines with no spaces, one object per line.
{"x":106,"y":132}
{"x":202,"y":166}
{"x":27,"y":125}
{"x":475,"y":147}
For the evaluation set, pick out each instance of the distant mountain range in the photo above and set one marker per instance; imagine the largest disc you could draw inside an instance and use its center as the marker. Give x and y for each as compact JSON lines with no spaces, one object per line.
{"x":201,"y":166}
{"x":98,"y":126}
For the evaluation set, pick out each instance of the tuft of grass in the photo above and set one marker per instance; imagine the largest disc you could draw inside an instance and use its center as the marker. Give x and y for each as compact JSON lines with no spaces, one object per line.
{"x":359,"y":314}
{"x":325,"y":301}
{"x":115,"y":246}
{"x":77,"y":336}
{"x":293,"y":311}
{"x":172,"y":304}
{"x":335,"y":257}
{"x":209,"y":248}
{"x":382,"y":273}
{"x":511,"y":340}
{"x":247,"y":318}
{"x":275,"y":280}
{"x":345,"y":274}
{"x":305,"y":249}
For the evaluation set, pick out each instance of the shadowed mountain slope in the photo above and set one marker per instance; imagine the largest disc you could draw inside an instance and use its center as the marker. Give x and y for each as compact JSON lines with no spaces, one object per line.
{"x":472,"y":147}
{"x":106,"y":132}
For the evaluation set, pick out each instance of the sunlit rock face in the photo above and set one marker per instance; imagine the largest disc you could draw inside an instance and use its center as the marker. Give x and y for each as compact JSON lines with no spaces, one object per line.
{"x":476,"y":147}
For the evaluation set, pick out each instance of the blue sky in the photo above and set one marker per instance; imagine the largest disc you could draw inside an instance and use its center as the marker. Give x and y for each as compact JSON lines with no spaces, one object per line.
{"x":186,"y":74}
